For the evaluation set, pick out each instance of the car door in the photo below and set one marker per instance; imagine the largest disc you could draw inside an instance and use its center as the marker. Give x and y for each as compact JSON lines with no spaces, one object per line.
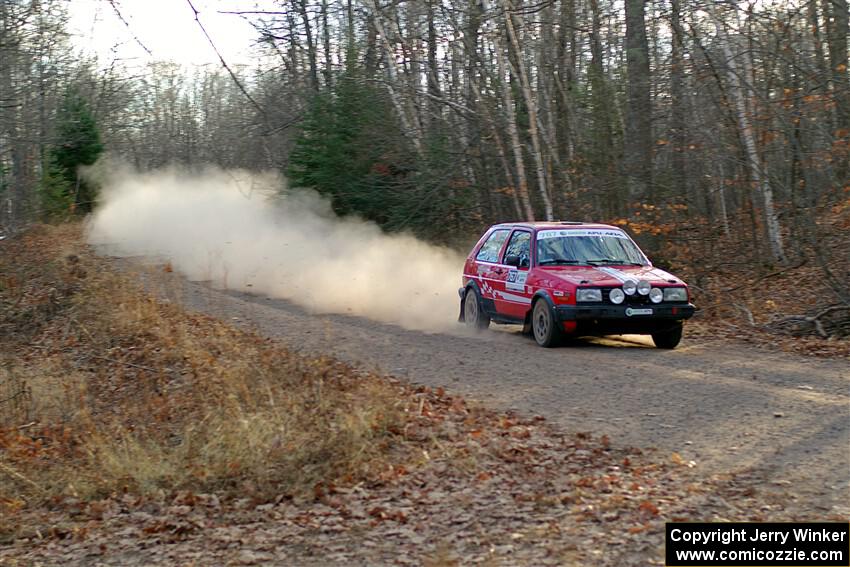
{"x":510,"y":290}
{"x":488,"y":270}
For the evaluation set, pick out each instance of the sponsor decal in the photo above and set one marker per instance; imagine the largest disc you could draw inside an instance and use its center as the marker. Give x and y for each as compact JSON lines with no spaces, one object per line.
{"x":630,"y":311}
{"x":543,"y":234}
{"x":516,"y":280}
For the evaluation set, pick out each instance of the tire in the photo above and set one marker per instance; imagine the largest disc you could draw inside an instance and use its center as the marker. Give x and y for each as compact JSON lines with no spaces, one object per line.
{"x":544,"y":326}
{"x":669,"y":338}
{"x":473,"y":315}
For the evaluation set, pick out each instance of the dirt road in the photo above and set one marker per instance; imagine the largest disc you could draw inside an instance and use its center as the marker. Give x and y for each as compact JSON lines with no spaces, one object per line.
{"x":781,"y":420}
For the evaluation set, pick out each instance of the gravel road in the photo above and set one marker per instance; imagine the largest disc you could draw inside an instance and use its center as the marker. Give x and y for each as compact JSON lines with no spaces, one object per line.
{"x":781,"y":420}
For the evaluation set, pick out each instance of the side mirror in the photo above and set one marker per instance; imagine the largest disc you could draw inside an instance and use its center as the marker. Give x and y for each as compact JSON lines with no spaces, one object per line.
{"x":512,"y":260}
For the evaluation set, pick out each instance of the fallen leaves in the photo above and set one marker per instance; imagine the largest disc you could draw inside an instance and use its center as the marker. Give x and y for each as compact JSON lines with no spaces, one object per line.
{"x":443,"y":482}
{"x":532,"y":499}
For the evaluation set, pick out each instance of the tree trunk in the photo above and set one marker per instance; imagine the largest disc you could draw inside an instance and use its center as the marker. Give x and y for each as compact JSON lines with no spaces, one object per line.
{"x":12,"y":207}
{"x":412,"y":69}
{"x":601,"y":135}
{"x":350,"y":49}
{"x":837,"y":36}
{"x":370,"y":58}
{"x":311,"y":45}
{"x":637,"y":143}
{"x":326,"y":37}
{"x":433,"y":78}
{"x":565,"y":77}
{"x":513,"y":132}
{"x":838,"y":21}
{"x":678,"y":140}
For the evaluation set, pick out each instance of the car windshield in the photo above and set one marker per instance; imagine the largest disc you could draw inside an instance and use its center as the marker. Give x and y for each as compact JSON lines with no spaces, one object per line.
{"x":594,"y":247}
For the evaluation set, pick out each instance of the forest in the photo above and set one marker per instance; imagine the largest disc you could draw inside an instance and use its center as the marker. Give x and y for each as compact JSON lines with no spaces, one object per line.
{"x":711,"y":130}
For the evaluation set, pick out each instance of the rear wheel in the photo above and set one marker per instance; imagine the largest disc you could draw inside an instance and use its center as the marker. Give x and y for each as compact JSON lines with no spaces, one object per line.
{"x":473,"y":315}
{"x":544,"y":325}
{"x":668,"y":338}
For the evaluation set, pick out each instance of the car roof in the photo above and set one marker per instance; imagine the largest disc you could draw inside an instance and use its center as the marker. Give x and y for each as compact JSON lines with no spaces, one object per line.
{"x":561,"y":225}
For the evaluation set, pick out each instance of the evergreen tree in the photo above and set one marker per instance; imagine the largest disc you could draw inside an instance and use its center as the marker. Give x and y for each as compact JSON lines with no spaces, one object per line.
{"x":352,"y":150}
{"x":349,"y":150}
{"x":77,"y":144}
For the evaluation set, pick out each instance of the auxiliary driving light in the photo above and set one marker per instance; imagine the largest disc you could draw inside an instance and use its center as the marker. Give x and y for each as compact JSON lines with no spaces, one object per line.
{"x":643,"y":287}
{"x":629,"y":287}
{"x":617,"y":296}
{"x":656,"y":295}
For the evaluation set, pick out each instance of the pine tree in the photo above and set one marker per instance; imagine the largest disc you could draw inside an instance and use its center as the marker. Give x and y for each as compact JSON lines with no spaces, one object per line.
{"x":349,"y":151}
{"x":77,"y":144}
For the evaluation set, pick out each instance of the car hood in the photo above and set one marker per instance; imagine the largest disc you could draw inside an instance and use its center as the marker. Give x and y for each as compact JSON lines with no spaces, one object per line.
{"x":609,"y":275}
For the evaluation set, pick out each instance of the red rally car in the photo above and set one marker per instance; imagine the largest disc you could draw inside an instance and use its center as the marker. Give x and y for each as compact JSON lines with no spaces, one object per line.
{"x":570,"y":278}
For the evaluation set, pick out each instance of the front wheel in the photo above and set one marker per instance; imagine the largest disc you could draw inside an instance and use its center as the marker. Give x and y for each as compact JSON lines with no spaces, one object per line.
{"x":544,"y":326}
{"x":473,"y":316}
{"x":669,"y":338}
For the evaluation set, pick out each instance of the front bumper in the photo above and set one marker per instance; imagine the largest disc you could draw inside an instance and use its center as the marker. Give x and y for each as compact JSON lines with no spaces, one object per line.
{"x":622,"y":319}
{"x":607,"y":319}
{"x":631,"y":313}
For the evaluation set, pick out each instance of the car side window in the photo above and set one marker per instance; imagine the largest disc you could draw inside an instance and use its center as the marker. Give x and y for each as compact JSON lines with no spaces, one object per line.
{"x":489,"y":251}
{"x":520,"y":246}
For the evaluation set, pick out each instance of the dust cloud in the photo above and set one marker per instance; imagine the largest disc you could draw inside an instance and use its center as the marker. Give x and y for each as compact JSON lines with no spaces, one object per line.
{"x":236,"y":230}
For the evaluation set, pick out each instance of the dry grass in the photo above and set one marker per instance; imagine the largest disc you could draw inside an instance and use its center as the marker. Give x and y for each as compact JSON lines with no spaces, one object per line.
{"x":105,"y":390}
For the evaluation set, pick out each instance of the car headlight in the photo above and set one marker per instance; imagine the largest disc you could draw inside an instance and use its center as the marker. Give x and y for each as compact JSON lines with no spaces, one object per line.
{"x":656,"y":295}
{"x":617,"y":296}
{"x":589,"y":295}
{"x":629,"y":287}
{"x":643,"y":287}
{"x":675,"y":294}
